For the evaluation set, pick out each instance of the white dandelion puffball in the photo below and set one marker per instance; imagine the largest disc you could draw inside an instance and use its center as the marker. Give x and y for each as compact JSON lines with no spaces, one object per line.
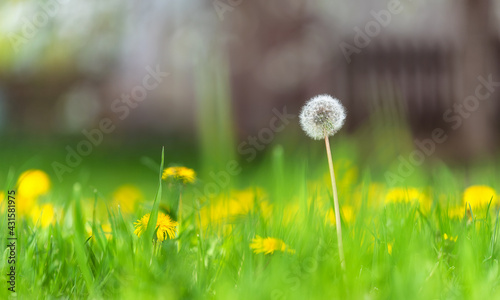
{"x":322,"y":116}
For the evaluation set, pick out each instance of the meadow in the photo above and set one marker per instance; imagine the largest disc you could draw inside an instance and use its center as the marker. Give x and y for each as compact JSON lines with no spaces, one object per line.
{"x":158,"y":150}
{"x":266,"y":233}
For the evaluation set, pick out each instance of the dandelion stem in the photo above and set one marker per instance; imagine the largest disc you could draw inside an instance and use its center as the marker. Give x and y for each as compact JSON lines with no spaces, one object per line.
{"x":179,"y":208}
{"x":179,"y":218}
{"x":336,"y":204}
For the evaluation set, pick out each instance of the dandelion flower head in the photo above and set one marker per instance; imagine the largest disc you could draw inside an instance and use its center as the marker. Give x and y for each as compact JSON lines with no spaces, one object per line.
{"x":183,"y":174}
{"x":322,"y":116}
{"x":347,"y":212}
{"x":43,"y":215}
{"x":127,"y":196}
{"x":389,"y":248}
{"x":166,"y":227}
{"x":456,"y":212}
{"x":269,"y":245}
{"x":479,"y":196}
{"x":33,"y":183}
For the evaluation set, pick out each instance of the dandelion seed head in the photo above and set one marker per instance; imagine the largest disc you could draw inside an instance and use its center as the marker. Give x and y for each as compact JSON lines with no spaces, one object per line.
{"x":322,"y":116}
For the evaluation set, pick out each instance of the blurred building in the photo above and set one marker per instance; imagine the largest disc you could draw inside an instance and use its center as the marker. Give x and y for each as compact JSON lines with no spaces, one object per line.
{"x":416,"y":59}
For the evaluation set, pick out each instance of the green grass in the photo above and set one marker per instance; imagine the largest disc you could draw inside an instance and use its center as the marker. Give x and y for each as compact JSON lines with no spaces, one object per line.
{"x":63,"y":261}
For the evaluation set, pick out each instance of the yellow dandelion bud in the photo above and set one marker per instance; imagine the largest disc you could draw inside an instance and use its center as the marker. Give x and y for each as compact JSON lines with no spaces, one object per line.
{"x":183,"y":174}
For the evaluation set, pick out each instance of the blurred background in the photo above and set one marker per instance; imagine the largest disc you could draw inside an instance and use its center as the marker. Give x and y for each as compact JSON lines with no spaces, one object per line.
{"x":400,"y":68}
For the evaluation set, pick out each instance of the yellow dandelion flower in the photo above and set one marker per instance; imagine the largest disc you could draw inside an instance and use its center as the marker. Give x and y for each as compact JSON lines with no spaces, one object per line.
{"x":106,"y":229}
{"x":266,"y":209}
{"x":183,"y":174}
{"x":347,"y":212}
{"x":408,"y":195}
{"x":30,"y":185}
{"x":318,"y":199}
{"x":374,"y":195}
{"x":242,"y":202}
{"x":238,"y":203}
{"x":33,"y":183}
{"x":25,"y":205}
{"x":166,"y":227}
{"x":478,"y":196}
{"x":269,"y":245}
{"x":100,"y":209}
{"x":456,"y":212}
{"x":2,"y":197}
{"x":389,"y":248}
{"x":43,"y":215}
{"x":141,"y":225}
{"x":291,"y":213}
{"x":213,"y":213}
{"x":127,"y":196}
{"x":397,"y":195}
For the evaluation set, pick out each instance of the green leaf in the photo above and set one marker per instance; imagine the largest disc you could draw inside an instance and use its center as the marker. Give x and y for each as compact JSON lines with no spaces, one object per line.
{"x":153,"y":216}
{"x":79,"y":240}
